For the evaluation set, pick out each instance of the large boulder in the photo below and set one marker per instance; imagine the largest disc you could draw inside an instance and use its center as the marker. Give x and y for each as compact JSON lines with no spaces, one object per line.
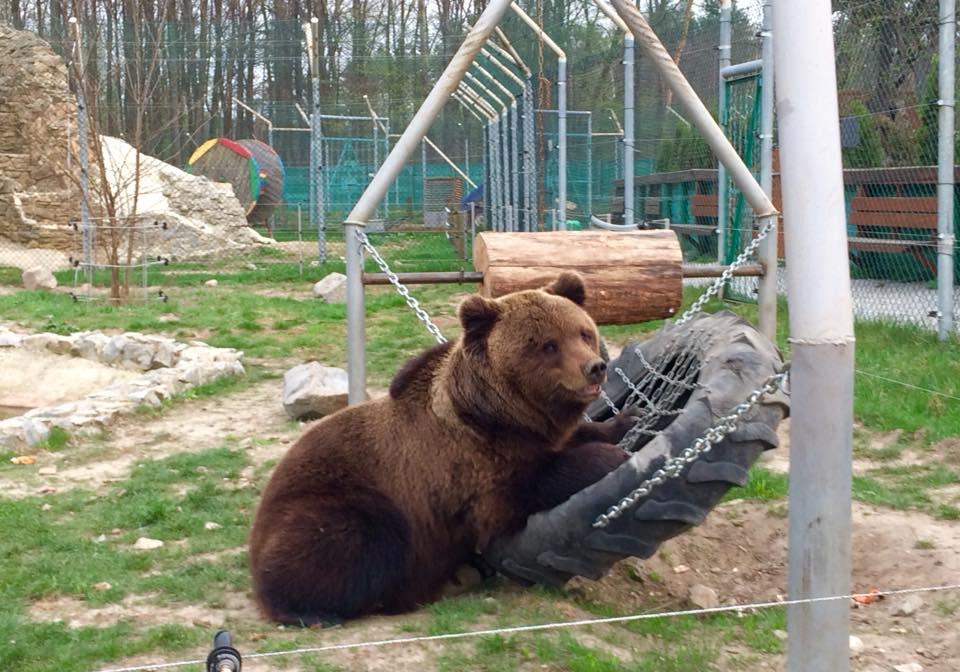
{"x":312,"y":390}
{"x":182,"y":215}
{"x":38,"y":277}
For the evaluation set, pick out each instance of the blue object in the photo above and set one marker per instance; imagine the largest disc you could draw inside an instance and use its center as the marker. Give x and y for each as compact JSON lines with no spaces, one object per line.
{"x":475,"y":196}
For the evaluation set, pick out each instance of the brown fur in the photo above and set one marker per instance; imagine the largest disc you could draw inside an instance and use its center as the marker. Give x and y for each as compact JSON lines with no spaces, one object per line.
{"x":375,"y":507}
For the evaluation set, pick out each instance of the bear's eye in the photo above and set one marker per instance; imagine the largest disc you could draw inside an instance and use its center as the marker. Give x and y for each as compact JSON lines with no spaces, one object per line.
{"x":550,"y":347}
{"x":586,"y":336}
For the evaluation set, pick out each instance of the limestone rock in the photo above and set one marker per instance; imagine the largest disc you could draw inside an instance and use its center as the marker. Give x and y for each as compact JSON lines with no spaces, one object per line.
{"x":332,"y":289}
{"x":212,"y":282}
{"x":909,"y":667}
{"x":856,"y":646}
{"x":147,"y":544}
{"x":704,"y":597}
{"x":39,"y":277}
{"x":312,"y":390}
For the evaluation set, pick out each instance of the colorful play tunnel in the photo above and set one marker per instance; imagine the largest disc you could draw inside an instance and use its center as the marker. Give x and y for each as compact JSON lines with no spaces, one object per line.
{"x":251,"y":166}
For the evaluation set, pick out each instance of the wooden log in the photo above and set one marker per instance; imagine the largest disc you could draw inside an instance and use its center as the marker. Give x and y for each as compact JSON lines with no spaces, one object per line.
{"x":631,"y":276}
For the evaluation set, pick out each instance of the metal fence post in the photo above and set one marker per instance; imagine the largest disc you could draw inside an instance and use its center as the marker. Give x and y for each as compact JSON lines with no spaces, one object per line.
{"x":529,"y":158}
{"x":821,"y":332}
{"x":562,"y":140}
{"x":356,"y":309}
{"x":317,"y":178}
{"x":628,"y":131}
{"x":87,"y":230}
{"x":724,"y":61}
{"x":767,"y":294}
{"x":515,"y":167}
{"x":589,"y":165}
{"x":945,"y":169}
{"x":423,"y":180}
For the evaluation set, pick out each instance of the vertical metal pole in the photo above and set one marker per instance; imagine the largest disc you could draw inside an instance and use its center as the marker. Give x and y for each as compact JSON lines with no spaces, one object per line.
{"x":505,"y":144}
{"x":723,"y":61}
{"x":562,"y":140}
{"x":300,"y":235}
{"x":629,"y":153}
{"x":485,"y":133}
{"x":529,"y":158}
{"x":945,"y":171}
{"x":316,"y":139}
{"x":87,"y":229}
{"x":356,"y":328}
{"x":496,"y":213}
{"x":515,"y":204}
{"x":821,"y":334}
{"x":473,"y":223}
{"x":466,"y":155}
{"x":589,"y":165}
{"x":767,"y":295}
{"x":376,"y":156}
{"x":423,"y":180}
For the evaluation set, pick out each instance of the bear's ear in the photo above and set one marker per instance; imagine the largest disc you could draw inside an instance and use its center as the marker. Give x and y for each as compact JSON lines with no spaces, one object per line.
{"x":477,"y":315}
{"x":569,"y":285}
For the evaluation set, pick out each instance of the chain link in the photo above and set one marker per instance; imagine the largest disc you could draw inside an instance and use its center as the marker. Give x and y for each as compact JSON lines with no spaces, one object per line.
{"x":727,"y":274}
{"x":401,"y":288}
{"x":675,"y":465}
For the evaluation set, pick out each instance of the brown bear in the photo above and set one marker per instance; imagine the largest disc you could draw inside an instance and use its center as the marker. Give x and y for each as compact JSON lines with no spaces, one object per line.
{"x":376,"y":506}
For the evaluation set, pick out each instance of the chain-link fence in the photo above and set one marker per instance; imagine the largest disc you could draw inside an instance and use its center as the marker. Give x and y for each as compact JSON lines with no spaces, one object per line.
{"x":181,"y":232}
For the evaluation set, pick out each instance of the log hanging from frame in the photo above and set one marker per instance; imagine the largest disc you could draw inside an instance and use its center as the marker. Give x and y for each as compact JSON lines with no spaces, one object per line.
{"x":631,"y":277}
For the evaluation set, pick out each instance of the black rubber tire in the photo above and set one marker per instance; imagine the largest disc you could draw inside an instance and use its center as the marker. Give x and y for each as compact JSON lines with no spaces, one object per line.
{"x":736,"y":359}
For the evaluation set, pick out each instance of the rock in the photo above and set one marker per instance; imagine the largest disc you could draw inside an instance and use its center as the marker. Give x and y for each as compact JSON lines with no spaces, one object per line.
{"x":332,"y":289}
{"x":909,"y":667}
{"x":100,"y":539}
{"x":46,"y":507}
{"x":909,"y":606}
{"x":212,"y":282}
{"x":780,"y":634}
{"x":47,"y":471}
{"x":8,"y":339}
{"x":250,"y":266}
{"x":147,"y":544}
{"x":210,"y":525}
{"x":38,"y":277}
{"x":856,"y":646}
{"x":102,"y":585}
{"x":704,"y":597}
{"x":136,"y":356}
{"x":312,"y":390}
{"x":681,"y":569}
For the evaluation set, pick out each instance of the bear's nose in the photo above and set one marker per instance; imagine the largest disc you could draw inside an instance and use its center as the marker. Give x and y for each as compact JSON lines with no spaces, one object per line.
{"x":595,"y":371}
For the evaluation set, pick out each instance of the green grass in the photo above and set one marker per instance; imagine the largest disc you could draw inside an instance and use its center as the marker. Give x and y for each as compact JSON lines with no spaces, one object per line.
{"x":59,"y":552}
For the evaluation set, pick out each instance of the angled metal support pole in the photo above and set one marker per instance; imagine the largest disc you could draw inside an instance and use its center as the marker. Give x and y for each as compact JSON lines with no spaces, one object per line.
{"x":389,"y":170}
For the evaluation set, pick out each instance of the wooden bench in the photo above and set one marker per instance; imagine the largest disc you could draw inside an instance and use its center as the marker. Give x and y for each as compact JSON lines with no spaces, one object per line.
{"x":894,"y":225}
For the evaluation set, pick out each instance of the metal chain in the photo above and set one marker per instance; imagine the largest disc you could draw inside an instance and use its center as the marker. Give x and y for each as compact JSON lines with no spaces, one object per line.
{"x":675,"y":465}
{"x":727,"y":274}
{"x":401,"y":288}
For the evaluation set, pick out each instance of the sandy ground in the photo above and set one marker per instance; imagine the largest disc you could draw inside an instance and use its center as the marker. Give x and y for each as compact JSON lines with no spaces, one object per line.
{"x":31,"y":378}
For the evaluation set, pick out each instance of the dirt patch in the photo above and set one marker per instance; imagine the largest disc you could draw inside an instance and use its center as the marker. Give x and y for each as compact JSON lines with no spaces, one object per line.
{"x":741,"y":552}
{"x":144,"y":610}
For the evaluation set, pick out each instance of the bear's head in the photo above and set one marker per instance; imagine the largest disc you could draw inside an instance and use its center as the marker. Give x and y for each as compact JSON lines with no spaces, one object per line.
{"x":538,"y":348}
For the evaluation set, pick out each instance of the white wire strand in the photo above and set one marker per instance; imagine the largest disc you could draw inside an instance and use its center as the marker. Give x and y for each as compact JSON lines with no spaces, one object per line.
{"x":737,"y":608}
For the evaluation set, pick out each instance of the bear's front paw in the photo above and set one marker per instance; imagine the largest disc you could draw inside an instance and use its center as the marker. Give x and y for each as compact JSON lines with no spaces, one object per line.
{"x":620,"y":424}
